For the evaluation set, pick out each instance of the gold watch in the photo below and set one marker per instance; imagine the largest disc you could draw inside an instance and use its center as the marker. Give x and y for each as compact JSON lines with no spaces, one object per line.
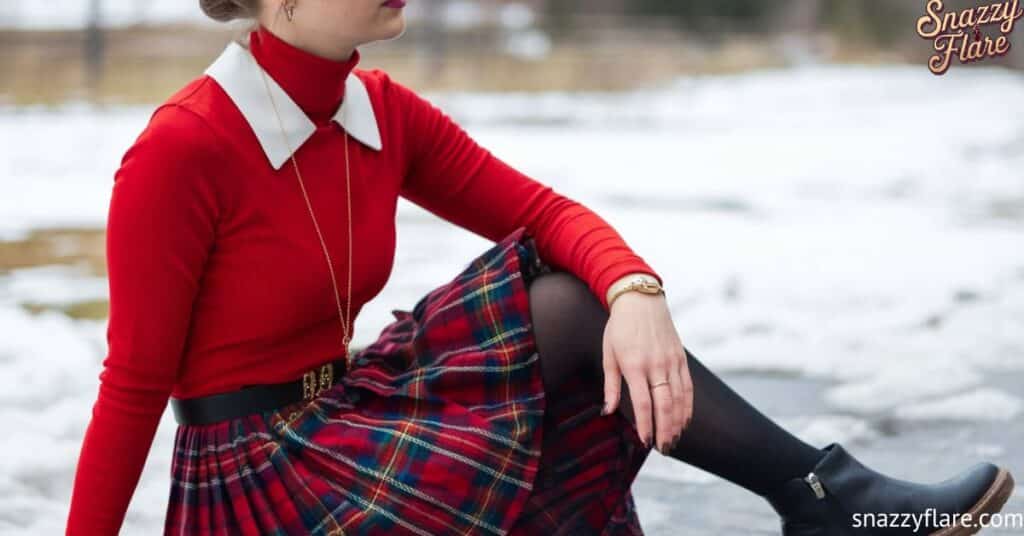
{"x":644,"y":283}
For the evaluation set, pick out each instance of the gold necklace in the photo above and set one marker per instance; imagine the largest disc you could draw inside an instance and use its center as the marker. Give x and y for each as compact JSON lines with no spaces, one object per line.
{"x":346,"y":327}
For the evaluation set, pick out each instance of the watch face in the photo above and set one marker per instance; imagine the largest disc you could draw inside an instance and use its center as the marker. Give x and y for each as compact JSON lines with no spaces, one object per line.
{"x":648,"y":286}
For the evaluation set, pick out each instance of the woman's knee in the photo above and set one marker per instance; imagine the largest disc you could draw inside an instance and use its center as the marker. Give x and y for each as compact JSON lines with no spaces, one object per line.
{"x":567,"y":318}
{"x":561,"y":295}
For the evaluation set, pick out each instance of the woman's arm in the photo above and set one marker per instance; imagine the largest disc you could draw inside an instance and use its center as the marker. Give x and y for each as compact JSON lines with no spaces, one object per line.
{"x":452,"y":176}
{"x":455,"y":178}
{"x":160,"y":228}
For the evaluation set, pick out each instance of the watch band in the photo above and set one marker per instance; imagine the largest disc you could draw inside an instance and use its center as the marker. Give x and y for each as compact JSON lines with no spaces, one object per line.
{"x":640,"y":282}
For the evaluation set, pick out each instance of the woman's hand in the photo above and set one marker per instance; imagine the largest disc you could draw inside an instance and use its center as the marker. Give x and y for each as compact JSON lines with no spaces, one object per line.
{"x":641,"y":344}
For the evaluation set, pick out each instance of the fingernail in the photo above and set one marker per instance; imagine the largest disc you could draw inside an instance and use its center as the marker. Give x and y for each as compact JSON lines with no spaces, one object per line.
{"x":604,"y":410}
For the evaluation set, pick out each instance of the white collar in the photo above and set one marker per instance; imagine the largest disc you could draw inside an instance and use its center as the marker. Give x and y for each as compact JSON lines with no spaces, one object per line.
{"x":238,"y":74}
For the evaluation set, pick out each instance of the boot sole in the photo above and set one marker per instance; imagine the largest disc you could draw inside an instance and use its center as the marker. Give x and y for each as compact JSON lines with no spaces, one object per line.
{"x":989,"y":503}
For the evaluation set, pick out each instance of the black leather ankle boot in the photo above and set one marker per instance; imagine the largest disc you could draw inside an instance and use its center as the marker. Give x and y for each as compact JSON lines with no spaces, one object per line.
{"x":840,"y":496}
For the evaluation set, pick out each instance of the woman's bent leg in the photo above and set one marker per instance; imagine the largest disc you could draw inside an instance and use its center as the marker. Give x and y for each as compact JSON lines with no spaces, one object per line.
{"x":727,"y":435}
{"x":814,"y":491}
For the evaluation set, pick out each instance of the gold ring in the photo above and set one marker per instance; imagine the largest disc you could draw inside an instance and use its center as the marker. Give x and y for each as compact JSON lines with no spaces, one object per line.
{"x":659,"y":384}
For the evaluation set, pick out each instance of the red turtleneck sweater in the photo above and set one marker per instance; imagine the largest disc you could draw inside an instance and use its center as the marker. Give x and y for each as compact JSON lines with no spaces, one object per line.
{"x":217,"y":278}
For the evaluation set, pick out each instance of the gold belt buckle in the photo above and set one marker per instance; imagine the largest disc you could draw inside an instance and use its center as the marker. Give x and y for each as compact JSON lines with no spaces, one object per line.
{"x":313,"y":383}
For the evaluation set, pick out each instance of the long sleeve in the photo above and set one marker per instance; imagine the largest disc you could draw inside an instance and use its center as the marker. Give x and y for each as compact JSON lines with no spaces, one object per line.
{"x":160,"y":228}
{"x":452,"y":176}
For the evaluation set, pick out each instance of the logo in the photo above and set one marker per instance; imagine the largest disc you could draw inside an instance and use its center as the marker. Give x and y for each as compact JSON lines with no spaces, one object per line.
{"x":965,"y":34}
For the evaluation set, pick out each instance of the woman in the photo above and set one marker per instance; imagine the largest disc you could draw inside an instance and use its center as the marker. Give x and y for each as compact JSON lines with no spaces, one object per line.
{"x":478,"y":411}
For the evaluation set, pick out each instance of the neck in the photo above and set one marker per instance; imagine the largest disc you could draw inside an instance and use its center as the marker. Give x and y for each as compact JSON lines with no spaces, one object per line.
{"x":315,"y":82}
{"x":331,"y":51}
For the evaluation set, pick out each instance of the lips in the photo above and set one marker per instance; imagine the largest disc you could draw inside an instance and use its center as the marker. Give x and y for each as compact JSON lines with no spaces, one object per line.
{"x":394,"y":3}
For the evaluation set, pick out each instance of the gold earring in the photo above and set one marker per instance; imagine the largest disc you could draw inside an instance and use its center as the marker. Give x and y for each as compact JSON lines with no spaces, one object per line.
{"x":289,"y":11}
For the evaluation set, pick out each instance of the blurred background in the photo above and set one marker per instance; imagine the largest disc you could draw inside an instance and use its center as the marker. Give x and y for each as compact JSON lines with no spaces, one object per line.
{"x":840,"y":231}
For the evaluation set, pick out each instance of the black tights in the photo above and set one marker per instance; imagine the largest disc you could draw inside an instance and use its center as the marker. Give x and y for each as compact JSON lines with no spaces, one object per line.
{"x":727,"y":436}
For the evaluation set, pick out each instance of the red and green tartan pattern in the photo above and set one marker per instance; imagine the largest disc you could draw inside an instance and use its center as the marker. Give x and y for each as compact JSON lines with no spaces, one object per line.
{"x":440,"y":427}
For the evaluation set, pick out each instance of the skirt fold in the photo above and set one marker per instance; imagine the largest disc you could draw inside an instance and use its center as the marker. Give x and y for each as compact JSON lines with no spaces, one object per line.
{"x":441,"y":426}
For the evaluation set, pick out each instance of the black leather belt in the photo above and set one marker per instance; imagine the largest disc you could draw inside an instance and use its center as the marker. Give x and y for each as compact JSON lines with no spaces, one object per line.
{"x":257,"y":398}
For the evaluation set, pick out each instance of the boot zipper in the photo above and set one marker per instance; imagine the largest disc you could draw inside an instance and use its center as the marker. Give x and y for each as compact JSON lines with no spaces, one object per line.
{"x":815,"y":484}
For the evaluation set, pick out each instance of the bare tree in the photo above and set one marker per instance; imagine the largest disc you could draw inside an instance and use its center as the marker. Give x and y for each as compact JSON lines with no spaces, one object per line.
{"x":95,"y":45}
{"x":436,"y":43}
{"x":804,"y":15}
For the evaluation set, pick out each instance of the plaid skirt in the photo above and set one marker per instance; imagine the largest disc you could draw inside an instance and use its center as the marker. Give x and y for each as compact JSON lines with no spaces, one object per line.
{"x":441,"y":426}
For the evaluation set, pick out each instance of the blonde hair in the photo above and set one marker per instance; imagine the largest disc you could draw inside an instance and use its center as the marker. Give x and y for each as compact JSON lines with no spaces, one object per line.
{"x":230,"y":10}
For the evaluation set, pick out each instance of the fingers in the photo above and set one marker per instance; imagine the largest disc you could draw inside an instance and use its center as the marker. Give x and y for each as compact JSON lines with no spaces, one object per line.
{"x":659,"y":391}
{"x":685,"y":401}
{"x":684,"y":372}
{"x":664,"y":406}
{"x":612,"y":378}
{"x":679,"y":410}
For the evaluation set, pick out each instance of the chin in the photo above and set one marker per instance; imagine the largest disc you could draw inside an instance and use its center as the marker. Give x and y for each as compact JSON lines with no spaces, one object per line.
{"x":393,"y":29}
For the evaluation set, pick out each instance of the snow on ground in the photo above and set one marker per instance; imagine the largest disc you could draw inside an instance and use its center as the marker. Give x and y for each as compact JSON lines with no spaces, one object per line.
{"x":860,"y":227}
